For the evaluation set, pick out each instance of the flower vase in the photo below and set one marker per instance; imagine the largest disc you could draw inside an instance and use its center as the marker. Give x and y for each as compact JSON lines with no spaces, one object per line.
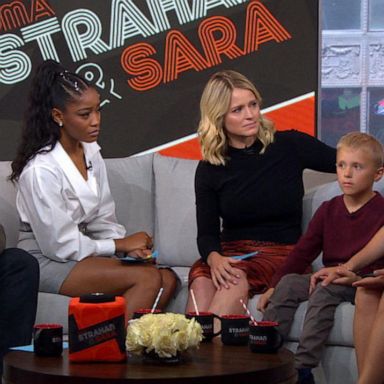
{"x":153,"y":358}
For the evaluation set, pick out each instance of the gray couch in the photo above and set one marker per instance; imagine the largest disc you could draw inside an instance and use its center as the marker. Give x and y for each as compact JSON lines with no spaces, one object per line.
{"x":156,"y":194}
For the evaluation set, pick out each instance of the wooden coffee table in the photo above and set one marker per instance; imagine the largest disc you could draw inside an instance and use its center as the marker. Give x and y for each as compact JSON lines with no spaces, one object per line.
{"x":211,"y":363}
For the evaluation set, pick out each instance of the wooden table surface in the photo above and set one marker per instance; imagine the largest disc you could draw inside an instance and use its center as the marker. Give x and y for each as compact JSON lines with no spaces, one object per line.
{"x":211,"y":363}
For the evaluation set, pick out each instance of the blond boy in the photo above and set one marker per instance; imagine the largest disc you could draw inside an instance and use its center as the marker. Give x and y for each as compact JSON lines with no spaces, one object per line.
{"x":339,"y":229}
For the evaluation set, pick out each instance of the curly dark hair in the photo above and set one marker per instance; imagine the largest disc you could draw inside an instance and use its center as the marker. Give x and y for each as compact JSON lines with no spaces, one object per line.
{"x":52,"y":87}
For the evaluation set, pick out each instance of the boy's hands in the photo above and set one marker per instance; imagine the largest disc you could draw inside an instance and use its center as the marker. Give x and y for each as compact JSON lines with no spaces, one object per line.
{"x":332,"y":275}
{"x":264,"y":300}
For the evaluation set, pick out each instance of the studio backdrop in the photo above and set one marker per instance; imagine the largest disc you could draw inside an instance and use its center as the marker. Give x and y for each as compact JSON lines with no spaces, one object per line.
{"x":150,"y":60}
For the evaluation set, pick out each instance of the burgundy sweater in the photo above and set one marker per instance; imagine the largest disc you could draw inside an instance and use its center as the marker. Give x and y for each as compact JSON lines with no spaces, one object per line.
{"x":337,"y":233}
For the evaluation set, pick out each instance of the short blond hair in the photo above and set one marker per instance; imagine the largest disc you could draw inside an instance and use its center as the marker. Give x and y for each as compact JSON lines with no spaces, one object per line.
{"x":214,"y":104}
{"x":365,"y":142}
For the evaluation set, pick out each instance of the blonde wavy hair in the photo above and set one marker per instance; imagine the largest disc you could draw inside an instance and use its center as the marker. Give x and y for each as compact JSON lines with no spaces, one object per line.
{"x":214,"y":105}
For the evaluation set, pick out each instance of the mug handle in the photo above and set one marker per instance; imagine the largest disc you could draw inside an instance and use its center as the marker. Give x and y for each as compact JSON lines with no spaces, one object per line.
{"x":218,"y":332}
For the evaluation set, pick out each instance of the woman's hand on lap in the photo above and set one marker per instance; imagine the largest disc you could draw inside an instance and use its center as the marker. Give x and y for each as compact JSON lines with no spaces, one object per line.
{"x":222,"y":272}
{"x":375,"y":282}
{"x":139,"y":240}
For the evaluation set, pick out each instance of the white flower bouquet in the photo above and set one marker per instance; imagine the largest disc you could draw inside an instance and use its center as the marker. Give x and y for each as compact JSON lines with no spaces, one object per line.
{"x":165,"y":334}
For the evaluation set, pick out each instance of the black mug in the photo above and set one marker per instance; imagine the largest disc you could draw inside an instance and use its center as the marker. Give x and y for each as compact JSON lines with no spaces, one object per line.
{"x":48,"y":339}
{"x":264,"y":337}
{"x":234,"y":329}
{"x":206,"y":320}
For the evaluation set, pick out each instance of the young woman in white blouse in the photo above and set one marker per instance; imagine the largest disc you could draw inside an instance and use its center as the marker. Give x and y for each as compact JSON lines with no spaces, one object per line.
{"x":64,"y":202}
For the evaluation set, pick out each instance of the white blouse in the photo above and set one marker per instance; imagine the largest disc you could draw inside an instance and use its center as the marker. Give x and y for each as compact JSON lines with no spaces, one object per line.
{"x":71,"y":218}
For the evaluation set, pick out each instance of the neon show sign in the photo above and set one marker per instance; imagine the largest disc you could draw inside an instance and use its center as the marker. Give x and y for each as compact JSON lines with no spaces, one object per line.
{"x":144,"y":66}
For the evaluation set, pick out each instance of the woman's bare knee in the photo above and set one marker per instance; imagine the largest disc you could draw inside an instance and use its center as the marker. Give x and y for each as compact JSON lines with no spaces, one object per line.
{"x":203,"y":291}
{"x":201,"y":284}
{"x":148,"y":278}
{"x":169,"y":284}
{"x":235,"y":292}
{"x":169,"y":280}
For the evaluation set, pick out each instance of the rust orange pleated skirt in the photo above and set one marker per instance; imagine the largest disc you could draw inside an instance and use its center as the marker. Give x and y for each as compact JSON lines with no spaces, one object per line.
{"x":259,"y":269}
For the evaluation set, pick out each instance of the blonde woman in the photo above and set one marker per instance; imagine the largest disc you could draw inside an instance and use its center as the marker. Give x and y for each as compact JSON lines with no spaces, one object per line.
{"x":249,"y":193}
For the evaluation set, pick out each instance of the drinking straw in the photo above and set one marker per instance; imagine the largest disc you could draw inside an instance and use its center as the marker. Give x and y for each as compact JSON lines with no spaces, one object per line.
{"x":194,"y":302}
{"x":157,"y":300}
{"x":248,"y":313}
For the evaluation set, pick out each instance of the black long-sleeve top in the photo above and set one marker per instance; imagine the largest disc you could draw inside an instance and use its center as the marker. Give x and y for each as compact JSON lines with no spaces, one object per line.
{"x":257,"y":196}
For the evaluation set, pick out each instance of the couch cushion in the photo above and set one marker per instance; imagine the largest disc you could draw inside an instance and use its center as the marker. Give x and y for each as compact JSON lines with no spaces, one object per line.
{"x":53,"y":308}
{"x":342,"y":330}
{"x":175,"y":226}
{"x":339,"y":365}
{"x":131,"y":183}
{"x":8,"y":213}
